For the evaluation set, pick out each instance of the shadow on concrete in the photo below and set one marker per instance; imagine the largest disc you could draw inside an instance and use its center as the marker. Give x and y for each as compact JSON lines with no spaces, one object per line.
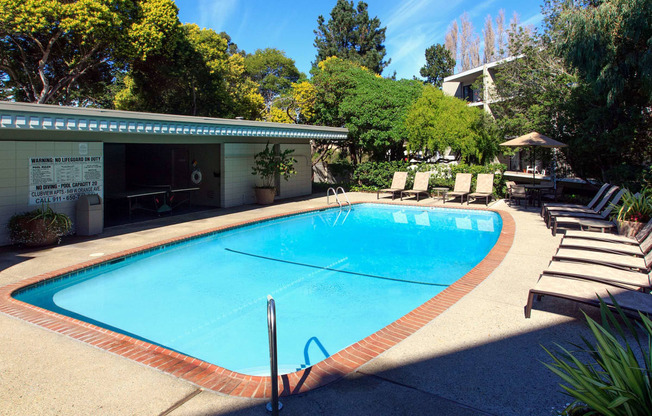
{"x":12,"y":255}
{"x":503,"y":377}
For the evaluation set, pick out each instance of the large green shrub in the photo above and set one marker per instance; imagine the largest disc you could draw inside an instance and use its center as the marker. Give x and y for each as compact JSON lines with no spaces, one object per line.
{"x":370,"y":176}
{"x":617,"y":380}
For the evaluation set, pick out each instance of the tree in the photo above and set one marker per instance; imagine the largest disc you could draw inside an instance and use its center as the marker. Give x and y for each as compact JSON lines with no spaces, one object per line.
{"x":500,"y":35}
{"x":436,"y":122}
{"x":439,"y":64}
{"x":57,"y":51}
{"x":451,"y":40}
{"x":514,"y":41}
{"x":489,"y":41}
{"x":371,"y":107}
{"x":552,"y":95}
{"x":350,"y":34}
{"x":272,"y":71}
{"x":466,"y":41}
{"x":374,"y":112}
{"x":609,"y":43}
{"x":196,"y":77}
{"x":474,"y":52}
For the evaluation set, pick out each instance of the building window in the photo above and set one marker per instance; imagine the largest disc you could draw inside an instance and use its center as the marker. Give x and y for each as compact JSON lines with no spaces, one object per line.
{"x":470,"y":95}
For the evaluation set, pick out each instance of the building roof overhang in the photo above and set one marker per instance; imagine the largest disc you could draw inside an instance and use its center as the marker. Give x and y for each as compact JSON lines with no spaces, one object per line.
{"x":110,"y":123}
{"x":470,"y":75}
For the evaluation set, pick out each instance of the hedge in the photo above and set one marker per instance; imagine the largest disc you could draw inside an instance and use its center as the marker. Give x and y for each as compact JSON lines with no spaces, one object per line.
{"x":371,"y":176}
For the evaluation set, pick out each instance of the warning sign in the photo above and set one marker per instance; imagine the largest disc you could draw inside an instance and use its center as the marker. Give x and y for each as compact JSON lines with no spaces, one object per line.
{"x":60,"y":179}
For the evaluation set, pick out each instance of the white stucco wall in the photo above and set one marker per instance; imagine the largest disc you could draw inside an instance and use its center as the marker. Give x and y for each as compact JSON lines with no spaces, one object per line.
{"x":238,"y":182}
{"x":301,"y":183}
{"x":14,"y":176}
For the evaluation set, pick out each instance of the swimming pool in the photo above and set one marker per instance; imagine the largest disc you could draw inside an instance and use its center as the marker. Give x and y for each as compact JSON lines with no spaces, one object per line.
{"x":337,"y":277}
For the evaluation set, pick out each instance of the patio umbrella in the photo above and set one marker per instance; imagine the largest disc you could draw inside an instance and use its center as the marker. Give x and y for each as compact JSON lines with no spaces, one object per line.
{"x":534,"y":140}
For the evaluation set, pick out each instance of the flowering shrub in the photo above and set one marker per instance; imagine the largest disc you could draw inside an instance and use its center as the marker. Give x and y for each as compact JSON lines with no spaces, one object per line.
{"x":636,"y":208}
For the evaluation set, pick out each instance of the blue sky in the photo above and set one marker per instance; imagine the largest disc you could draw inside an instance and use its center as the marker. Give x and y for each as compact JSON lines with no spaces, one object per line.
{"x":412,"y":25}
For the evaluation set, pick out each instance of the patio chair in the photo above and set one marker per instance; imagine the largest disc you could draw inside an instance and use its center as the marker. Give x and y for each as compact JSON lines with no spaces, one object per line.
{"x":614,"y":238}
{"x":590,"y":205}
{"x":484,"y":188}
{"x":420,"y":186}
{"x":622,"y":261}
{"x":588,"y":292}
{"x":576,"y":218}
{"x":462,"y":187}
{"x":552,"y":211}
{"x":398,"y":185}
{"x":517,"y":193}
{"x":618,"y":277}
{"x":639,"y":250}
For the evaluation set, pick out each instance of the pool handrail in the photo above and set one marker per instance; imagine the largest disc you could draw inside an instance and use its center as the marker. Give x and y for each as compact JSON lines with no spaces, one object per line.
{"x":335,"y":194}
{"x":274,"y":406}
{"x":328,"y":194}
{"x":343,"y":193}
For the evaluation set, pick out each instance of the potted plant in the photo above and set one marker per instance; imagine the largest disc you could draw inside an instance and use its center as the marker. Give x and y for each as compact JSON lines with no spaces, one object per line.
{"x":632,"y":212}
{"x":41,"y":227}
{"x":267,"y":164}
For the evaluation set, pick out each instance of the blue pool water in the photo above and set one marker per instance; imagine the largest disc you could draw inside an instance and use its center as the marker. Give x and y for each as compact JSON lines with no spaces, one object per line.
{"x":337,"y":277}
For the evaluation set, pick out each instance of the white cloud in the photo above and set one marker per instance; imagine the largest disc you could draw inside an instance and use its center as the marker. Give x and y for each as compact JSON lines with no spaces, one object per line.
{"x":407,"y":50}
{"x":534,"y":20}
{"x":215,"y":13}
{"x":405,"y":12}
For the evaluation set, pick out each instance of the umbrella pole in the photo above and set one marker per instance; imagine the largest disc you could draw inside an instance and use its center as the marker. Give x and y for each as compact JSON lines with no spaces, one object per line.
{"x":534,"y":161}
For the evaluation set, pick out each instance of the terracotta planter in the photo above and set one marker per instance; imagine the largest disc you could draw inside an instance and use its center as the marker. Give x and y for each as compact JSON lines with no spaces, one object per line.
{"x":629,"y":228}
{"x":37,"y":233}
{"x":265,"y":196}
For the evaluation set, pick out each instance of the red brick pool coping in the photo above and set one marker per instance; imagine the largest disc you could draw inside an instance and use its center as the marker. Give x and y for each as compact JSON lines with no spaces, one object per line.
{"x":212,"y":377}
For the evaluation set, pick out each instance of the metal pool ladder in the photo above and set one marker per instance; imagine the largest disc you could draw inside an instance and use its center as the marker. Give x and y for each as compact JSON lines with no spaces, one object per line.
{"x":274,"y":406}
{"x":335,"y":194}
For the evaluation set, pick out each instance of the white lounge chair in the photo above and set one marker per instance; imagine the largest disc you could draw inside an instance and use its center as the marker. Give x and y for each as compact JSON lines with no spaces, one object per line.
{"x":484,"y":188}
{"x":398,"y":185}
{"x":420,"y":185}
{"x":461,"y":189}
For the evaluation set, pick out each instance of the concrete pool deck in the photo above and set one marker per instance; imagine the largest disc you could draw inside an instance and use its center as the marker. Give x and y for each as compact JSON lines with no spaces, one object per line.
{"x":481,"y":356}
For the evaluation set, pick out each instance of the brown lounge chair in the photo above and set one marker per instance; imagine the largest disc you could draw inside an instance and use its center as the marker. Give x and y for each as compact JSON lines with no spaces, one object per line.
{"x":420,"y":186}
{"x":639,"y":250}
{"x":462,"y":187}
{"x":559,"y":211}
{"x":621,"y":261}
{"x":600,"y":273}
{"x":577,"y":218}
{"x":484,"y":188}
{"x":562,"y":205}
{"x":398,"y":185}
{"x":588,"y":292}
{"x":612,"y":238}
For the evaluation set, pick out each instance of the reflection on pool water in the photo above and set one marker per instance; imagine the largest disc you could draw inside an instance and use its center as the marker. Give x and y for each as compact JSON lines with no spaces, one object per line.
{"x":337,"y":276}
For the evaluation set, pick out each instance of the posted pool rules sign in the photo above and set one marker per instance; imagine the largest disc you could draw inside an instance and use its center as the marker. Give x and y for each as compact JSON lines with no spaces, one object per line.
{"x":60,"y":179}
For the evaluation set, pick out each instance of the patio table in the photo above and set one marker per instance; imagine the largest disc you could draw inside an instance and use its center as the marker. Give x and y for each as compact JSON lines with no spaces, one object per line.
{"x":535,"y":191}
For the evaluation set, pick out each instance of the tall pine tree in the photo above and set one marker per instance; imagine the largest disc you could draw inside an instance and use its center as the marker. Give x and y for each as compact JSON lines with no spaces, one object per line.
{"x":350,"y":34}
{"x":439,"y":64}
